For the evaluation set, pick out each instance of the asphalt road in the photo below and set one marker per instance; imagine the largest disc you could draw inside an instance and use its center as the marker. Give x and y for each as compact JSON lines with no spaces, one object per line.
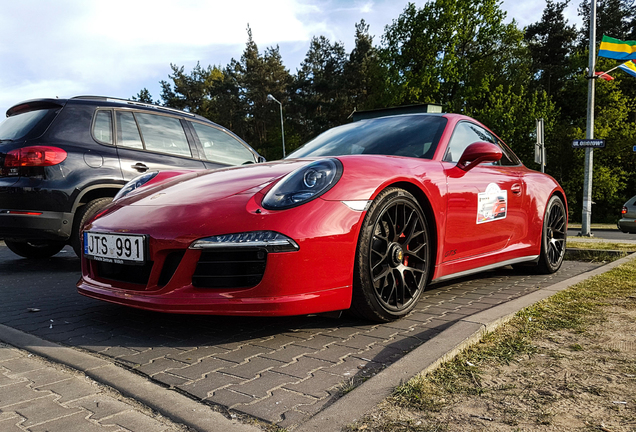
{"x":281,"y":370}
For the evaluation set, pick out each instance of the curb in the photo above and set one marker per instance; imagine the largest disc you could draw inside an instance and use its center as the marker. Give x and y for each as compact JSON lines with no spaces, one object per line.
{"x":576,"y":253}
{"x":428,"y":356}
{"x":169,"y":403}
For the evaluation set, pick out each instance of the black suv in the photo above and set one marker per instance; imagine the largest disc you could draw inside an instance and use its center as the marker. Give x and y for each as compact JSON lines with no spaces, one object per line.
{"x":63,"y":160}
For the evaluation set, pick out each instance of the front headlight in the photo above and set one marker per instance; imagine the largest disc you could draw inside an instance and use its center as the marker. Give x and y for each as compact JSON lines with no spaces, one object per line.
{"x":135,"y":183}
{"x":304,"y":184}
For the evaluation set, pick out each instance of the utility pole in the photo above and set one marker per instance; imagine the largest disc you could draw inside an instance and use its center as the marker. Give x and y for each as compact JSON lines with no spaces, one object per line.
{"x":589,"y":133}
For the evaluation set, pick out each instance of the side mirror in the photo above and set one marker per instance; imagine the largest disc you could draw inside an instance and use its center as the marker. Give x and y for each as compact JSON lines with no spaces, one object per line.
{"x":261,"y":159}
{"x":477,"y":153}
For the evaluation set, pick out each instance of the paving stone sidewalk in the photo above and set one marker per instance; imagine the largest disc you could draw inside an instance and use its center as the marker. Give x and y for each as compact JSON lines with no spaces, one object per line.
{"x":280,"y":370}
{"x":40,"y":396}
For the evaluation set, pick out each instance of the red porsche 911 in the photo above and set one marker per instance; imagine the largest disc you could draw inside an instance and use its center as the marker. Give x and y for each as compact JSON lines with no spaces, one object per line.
{"x":364,"y":217}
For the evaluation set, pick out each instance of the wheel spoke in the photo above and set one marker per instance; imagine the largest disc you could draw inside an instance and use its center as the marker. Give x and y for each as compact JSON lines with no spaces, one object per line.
{"x":414,"y":252}
{"x":391,"y":223}
{"x":400,"y":298}
{"x":381,"y":254}
{"x":381,"y":232}
{"x":409,"y":227}
{"x":416,"y":275}
{"x":381,"y":275}
{"x":388,"y":285}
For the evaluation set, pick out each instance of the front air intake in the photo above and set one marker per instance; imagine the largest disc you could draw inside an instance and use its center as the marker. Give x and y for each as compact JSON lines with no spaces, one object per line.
{"x":230,"y":268}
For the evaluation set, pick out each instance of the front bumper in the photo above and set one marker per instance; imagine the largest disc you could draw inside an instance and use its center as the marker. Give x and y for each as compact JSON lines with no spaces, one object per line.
{"x":316,"y":278}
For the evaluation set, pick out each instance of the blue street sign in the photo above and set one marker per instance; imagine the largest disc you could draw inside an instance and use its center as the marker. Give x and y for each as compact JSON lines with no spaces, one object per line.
{"x":594,"y":143}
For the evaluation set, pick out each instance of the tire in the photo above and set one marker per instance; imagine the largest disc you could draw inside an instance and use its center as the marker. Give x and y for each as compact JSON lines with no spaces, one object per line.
{"x":392,"y":258}
{"x":35,"y":250}
{"x":83,"y":215}
{"x":553,"y":237}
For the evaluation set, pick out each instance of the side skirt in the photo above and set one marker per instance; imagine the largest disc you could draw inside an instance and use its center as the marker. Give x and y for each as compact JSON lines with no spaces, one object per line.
{"x":526,"y":259}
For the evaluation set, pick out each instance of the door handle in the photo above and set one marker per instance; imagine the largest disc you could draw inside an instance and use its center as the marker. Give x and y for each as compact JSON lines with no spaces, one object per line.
{"x":516,"y":188}
{"x":140,"y":167}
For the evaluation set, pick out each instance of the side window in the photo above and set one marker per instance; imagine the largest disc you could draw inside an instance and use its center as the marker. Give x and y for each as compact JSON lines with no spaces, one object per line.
{"x":219,"y":146}
{"x":127,"y":131}
{"x":163,"y":134}
{"x":103,"y":127}
{"x":465,"y":134}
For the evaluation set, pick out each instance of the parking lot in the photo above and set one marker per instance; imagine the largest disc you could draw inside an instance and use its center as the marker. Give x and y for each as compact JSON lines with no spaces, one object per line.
{"x":282,"y":370}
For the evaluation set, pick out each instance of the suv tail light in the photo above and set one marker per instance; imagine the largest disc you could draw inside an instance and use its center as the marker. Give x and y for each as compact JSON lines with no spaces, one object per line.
{"x":34,"y":156}
{"x":624,"y":210}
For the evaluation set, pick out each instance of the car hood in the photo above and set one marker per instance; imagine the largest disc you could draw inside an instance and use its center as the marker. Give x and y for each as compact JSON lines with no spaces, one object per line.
{"x":195,"y":188}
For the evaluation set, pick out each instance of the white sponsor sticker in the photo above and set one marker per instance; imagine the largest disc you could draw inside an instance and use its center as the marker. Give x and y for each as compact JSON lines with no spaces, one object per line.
{"x":492,"y":204}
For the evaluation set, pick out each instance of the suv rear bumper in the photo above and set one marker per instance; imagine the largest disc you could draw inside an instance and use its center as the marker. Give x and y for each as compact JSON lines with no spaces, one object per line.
{"x":627,"y":225}
{"x":44,"y":226}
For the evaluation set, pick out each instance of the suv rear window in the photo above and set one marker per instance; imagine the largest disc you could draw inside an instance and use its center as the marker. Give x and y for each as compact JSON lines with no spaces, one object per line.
{"x":19,"y":126}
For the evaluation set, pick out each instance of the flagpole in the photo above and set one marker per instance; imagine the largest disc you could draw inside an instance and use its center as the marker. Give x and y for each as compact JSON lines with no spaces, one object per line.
{"x":614,"y":68}
{"x":589,"y":133}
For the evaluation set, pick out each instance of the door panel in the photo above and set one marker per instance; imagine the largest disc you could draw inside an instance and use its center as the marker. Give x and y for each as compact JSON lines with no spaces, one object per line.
{"x":484,"y":210}
{"x":485,"y":204}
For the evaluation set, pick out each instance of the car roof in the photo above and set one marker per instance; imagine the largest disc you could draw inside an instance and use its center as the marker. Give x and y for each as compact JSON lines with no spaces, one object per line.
{"x":32,"y":104}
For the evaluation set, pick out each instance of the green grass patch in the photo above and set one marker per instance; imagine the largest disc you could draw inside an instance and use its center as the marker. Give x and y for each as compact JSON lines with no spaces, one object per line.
{"x":573,"y":309}
{"x":598,"y":226}
{"x":601,"y":245}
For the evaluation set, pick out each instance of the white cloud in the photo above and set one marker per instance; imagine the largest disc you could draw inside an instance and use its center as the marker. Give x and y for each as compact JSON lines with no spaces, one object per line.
{"x":196,"y":22}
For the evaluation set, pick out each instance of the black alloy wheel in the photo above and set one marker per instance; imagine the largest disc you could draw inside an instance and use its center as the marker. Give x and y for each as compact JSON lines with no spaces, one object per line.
{"x":554,"y":236}
{"x":393,"y":257}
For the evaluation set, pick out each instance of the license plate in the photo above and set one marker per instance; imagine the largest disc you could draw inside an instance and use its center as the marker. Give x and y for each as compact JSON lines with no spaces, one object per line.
{"x":115,"y":248}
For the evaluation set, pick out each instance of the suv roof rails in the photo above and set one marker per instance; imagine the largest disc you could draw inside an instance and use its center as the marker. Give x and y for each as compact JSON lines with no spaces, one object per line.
{"x":137,"y":103}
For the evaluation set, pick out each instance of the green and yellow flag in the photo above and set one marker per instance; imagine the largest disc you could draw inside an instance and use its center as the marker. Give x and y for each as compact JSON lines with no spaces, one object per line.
{"x":617,"y":49}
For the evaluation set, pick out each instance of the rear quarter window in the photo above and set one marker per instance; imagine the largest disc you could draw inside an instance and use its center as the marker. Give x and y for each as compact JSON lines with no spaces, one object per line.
{"x":103,"y":127}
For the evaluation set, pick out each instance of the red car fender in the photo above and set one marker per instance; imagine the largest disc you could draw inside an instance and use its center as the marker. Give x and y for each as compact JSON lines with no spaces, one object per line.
{"x":368,"y":175}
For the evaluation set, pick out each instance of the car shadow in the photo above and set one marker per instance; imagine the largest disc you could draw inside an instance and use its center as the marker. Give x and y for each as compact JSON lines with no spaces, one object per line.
{"x":64,"y":261}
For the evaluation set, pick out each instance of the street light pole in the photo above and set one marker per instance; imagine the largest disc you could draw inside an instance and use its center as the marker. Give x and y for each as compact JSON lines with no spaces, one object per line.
{"x":282,"y":128}
{"x":589,"y":133}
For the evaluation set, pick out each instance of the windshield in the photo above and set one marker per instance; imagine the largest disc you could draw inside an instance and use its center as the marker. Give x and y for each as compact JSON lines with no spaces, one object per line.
{"x":405,"y":135}
{"x":18,"y":126}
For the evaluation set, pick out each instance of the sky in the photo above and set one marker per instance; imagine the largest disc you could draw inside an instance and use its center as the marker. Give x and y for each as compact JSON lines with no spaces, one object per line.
{"x":115,"y":48}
